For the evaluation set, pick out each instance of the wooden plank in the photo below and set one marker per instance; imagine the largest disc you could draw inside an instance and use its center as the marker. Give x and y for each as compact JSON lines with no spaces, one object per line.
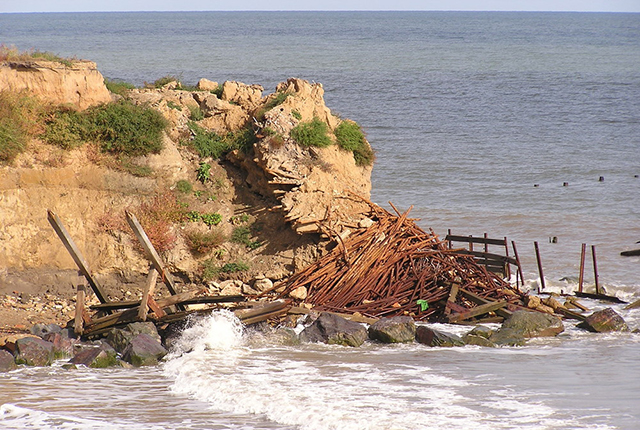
{"x":277,"y":305}
{"x":152,"y":279}
{"x":453,"y":293}
{"x":155,"y":307}
{"x":77,"y":256}
{"x":152,"y":255}
{"x":491,"y":256}
{"x":235,"y":298}
{"x":478,"y":310}
{"x":471,"y":239}
{"x":570,"y":314}
{"x":603,"y":297}
{"x":78,"y":322}
{"x":481,"y":301}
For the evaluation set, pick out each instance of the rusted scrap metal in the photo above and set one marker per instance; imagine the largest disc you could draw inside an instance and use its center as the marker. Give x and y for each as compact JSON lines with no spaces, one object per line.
{"x":385,"y":269}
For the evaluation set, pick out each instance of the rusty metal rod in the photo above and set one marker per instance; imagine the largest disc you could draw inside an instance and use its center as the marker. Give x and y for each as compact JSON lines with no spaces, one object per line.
{"x":542,"y":284}
{"x":581,"y":276}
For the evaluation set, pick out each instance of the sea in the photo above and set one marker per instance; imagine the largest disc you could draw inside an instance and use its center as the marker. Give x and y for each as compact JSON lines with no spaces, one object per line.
{"x":523,"y":126}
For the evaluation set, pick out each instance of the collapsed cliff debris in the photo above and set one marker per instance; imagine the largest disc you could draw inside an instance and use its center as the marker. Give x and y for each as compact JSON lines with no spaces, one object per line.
{"x":395,"y":268}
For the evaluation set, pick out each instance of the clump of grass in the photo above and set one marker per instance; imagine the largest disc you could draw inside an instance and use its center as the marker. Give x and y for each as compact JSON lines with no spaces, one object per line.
{"x":195,"y":113}
{"x":203,"y":243}
{"x":211,"y":219}
{"x":67,"y":128}
{"x":173,"y":105}
{"x":127,"y":165}
{"x":203,"y":173}
{"x":211,"y":269}
{"x":161,"y":82}
{"x":211,"y":144}
{"x":313,"y":133}
{"x":237,"y":266}
{"x":20,"y":120}
{"x":242,"y":235}
{"x":350,"y":137}
{"x":184,"y":186}
{"x":297,"y":115}
{"x":218,"y":91}
{"x":118,"y":87}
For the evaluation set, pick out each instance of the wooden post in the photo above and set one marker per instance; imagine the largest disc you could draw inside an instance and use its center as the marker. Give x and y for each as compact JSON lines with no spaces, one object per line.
{"x":515,"y":254}
{"x":68,"y":243}
{"x":152,"y":278}
{"x":507,"y":265}
{"x":542,"y":284}
{"x":595,"y":269}
{"x":152,"y":255}
{"x":581,"y":278}
{"x":78,"y":322}
{"x":448,"y":235}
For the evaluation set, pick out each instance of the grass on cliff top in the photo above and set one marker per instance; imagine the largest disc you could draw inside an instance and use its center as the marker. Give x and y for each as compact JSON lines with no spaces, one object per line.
{"x":11,"y":53}
{"x":312,"y":133}
{"x":350,"y":137}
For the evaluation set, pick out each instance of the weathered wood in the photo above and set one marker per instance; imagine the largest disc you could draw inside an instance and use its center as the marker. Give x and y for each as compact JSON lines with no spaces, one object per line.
{"x":581,"y":276}
{"x":481,"y":301}
{"x":277,"y":305}
{"x":479,"y":310}
{"x":472,"y":239}
{"x":153,"y":305}
{"x":595,"y":269}
{"x":453,"y":293}
{"x":151,"y":253}
{"x":515,"y":254}
{"x":570,"y":314}
{"x":603,"y":297}
{"x":152,"y":278}
{"x":78,"y":322}
{"x":77,"y":256}
{"x":537,"y":250}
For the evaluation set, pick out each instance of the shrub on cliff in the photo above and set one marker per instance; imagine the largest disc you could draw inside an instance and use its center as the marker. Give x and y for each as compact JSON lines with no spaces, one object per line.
{"x":11,"y":53}
{"x":20,"y":120}
{"x":120,"y":128}
{"x":211,"y":144}
{"x":312,"y":133}
{"x":350,"y":137}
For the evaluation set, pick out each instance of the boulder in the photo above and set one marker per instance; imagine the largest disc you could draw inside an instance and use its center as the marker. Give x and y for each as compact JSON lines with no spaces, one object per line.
{"x":481,"y":331}
{"x":232,"y":287}
{"x":334,"y":330}
{"x":247,"y":96}
{"x":262,"y":284}
{"x":507,"y":337}
{"x":207,"y":85}
{"x":400,"y":329}
{"x":96,"y":356}
{"x":63,"y":346}
{"x":7,"y":362}
{"x":34,"y":351}
{"x":299,"y":293}
{"x":119,"y":338}
{"x":144,"y":350}
{"x":41,"y":330}
{"x":604,"y":321}
{"x":534,"y":324}
{"x":8,"y":342}
{"x":472,"y":339}
{"x":428,"y":336}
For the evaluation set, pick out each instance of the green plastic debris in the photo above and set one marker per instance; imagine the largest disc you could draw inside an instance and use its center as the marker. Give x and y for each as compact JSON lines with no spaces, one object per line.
{"x":424,"y":305}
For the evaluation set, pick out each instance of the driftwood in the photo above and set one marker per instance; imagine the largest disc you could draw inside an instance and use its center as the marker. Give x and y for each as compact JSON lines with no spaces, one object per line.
{"x":385,"y":269}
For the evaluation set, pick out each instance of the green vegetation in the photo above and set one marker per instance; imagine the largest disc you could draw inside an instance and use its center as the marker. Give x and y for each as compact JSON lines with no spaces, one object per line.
{"x":120,"y":128}
{"x":277,"y":99}
{"x":203,"y":172}
{"x":203,"y":243}
{"x":350,"y":137}
{"x":118,"y":87}
{"x":20,"y":120}
{"x":195,"y":113}
{"x":211,"y":144}
{"x":211,"y":219}
{"x":218,"y":91}
{"x":184,"y":186}
{"x":313,"y":133}
{"x":161,"y":82}
{"x":173,"y":105}
{"x":297,"y":115}
{"x":211,"y":270}
{"x":242,"y":235}
{"x":238,"y":266}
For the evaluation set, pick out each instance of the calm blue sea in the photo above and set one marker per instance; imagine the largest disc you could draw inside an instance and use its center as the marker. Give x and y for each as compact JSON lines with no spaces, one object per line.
{"x":467,"y":112}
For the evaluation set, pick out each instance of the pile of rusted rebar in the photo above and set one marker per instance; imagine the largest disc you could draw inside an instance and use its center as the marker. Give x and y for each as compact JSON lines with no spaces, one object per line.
{"x":396,"y":268}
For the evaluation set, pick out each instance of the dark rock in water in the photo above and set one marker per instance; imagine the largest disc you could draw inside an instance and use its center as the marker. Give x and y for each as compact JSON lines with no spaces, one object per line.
{"x":34,"y":351}
{"x":96,"y":356}
{"x":431,"y":337}
{"x":41,"y":330}
{"x":472,"y":339}
{"x":534,"y":324}
{"x":507,"y":337}
{"x":119,"y":338}
{"x":400,"y":329}
{"x":63,"y":347}
{"x":144,"y":350}
{"x":172,"y":333}
{"x":334,"y":330}
{"x":481,"y":331}
{"x":604,"y":321}
{"x":7,"y":361}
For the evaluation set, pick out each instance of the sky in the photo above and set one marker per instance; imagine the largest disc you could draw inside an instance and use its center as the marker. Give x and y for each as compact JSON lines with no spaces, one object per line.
{"x":264,"y":5}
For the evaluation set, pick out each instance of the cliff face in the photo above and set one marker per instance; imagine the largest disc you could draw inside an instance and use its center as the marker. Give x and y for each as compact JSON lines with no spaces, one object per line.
{"x":279,"y":186}
{"x":80,"y":85}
